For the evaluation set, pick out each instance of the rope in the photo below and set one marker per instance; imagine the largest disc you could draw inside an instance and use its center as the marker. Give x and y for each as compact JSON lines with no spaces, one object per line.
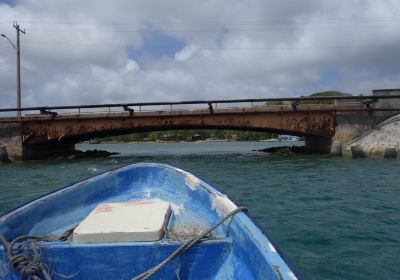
{"x":147,"y":274}
{"x":24,"y":256}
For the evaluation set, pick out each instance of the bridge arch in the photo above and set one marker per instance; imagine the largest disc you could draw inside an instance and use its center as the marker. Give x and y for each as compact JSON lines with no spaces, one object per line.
{"x":51,"y":134}
{"x":68,"y":129}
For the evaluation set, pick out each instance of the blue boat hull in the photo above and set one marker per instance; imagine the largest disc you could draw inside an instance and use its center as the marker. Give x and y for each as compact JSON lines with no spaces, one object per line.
{"x":236,"y":250}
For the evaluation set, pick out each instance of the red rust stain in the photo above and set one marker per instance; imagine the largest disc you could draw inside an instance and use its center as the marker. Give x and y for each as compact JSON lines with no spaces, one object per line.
{"x":137,"y":203}
{"x":104,"y":208}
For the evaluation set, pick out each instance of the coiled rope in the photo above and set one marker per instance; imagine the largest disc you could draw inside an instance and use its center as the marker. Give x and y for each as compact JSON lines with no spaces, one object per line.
{"x":24,"y":256}
{"x":147,"y":274}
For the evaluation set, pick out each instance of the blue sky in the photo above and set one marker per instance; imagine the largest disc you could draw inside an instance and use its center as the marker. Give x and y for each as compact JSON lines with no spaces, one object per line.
{"x":9,"y":2}
{"x":156,"y":45}
{"x":329,"y":77}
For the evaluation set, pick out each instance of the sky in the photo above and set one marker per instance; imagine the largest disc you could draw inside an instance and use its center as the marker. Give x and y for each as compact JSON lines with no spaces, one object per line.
{"x":97,"y":51}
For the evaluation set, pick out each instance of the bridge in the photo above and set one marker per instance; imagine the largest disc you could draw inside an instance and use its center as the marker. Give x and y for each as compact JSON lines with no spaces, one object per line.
{"x":47,"y":131}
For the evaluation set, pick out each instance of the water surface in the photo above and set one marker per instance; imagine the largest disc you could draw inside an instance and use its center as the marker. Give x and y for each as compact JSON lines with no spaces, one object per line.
{"x":332,"y":218}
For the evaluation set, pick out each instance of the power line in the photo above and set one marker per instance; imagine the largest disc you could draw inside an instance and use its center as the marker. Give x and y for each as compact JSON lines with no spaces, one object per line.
{"x":126,"y":44}
{"x":233,"y":22}
{"x":212,"y":30}
{"x":218,"y":48}
{"x":76,"y":44}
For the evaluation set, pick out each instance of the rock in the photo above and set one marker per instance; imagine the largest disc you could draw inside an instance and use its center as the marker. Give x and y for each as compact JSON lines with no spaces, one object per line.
{"x":390,"y":153}
{"x":284,"y":152}
{"x":90,"y":154}
{"x":287,"y":150}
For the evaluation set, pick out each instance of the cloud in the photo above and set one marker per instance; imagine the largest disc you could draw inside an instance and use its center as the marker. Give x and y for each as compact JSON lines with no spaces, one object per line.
{"x":186,"y":53}
{"x":102,"y":51}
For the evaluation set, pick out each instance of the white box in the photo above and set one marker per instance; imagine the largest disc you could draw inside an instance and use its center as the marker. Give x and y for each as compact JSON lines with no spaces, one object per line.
{"x":132,"y":221}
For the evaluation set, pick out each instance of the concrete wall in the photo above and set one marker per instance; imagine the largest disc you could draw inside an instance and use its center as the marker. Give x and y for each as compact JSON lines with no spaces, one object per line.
{"x":11,"y":139}
{"x":352,"y":125}
{"x":384,"y":137}
{"x":11,"y":144}
{"x":387,"y":103}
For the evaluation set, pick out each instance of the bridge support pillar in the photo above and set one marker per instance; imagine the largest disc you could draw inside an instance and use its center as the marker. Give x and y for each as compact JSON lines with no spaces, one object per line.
{"x":13,"y":147}
{"x":318,"y":144}
{"x":11,"y":140}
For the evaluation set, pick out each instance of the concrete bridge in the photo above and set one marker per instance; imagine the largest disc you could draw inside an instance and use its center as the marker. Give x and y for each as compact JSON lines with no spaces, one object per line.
{"x":48,"y":131}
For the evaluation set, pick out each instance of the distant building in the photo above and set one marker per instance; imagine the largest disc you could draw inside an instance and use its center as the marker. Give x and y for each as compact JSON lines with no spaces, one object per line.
{"x":387,"y":103}
{"x":395,"y":91}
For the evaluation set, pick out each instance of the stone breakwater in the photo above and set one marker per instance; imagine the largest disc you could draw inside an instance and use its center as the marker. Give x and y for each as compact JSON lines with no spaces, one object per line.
{"x":288,"y":150}
{"x":89,"y":154}
{"x":76,"y":154}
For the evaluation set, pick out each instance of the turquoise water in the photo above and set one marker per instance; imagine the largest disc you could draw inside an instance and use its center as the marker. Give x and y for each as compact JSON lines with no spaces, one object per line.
{"x":332,"y":218}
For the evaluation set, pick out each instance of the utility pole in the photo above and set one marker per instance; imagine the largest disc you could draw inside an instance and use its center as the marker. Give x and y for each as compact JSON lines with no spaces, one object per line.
{"x":16,"y":26}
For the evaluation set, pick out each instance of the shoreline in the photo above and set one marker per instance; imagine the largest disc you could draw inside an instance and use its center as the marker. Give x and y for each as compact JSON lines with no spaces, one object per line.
{"x":163,"y":142}
{"x":185,"y":142}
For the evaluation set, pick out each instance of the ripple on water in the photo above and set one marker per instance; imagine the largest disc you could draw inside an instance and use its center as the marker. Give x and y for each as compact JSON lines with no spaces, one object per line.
{"x":332,"y":218}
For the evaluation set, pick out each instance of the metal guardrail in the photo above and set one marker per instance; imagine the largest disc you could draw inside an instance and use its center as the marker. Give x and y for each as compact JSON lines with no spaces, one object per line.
{"x":294,"y":101}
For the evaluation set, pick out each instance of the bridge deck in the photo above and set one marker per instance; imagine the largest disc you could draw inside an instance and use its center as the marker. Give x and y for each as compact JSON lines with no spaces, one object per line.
{"x":190,"y":112}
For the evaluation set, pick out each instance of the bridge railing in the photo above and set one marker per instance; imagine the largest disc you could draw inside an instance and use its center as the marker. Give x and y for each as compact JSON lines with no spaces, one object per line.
{"x":294,"y":103}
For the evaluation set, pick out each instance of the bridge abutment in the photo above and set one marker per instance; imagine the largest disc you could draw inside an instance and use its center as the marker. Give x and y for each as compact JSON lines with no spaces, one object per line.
{"x":11,"y":140}
{"x":13,"y":148}
{"x":352,"y":125}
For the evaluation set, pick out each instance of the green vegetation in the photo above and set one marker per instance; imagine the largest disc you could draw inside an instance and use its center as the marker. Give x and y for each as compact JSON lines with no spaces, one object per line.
{"x":323,"y":94}
{"x":189,"y":135}
{"x":329,"y":93}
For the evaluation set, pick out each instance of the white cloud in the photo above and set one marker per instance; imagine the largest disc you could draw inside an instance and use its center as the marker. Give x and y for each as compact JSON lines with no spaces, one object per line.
{"x":132,"y":66}
{"x":186,"y":53}
{"x":85,"y":51}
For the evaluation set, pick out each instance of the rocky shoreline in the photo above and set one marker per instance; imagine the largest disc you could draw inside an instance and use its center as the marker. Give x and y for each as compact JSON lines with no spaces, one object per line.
{"x":288,"y":150}
{"x":77,"y":154}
